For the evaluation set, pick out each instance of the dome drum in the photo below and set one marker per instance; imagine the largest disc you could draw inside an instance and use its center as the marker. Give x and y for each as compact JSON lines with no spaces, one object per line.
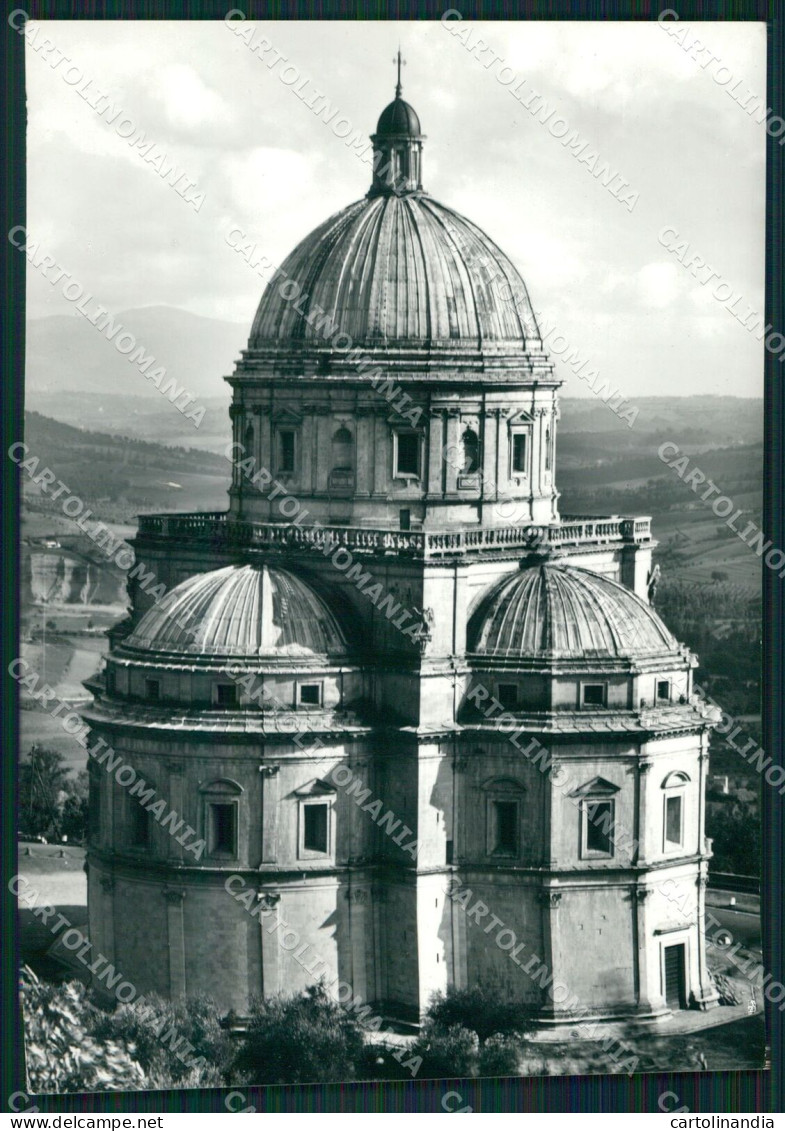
{"x":459,"y":364}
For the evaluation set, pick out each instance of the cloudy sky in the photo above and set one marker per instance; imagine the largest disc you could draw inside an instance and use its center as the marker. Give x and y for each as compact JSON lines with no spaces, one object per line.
{"x":268,"y":165}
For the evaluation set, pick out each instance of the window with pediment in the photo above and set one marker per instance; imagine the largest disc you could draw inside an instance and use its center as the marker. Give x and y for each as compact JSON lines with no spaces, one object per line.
{"x":673,"y":810}
{"x":597,"y":807}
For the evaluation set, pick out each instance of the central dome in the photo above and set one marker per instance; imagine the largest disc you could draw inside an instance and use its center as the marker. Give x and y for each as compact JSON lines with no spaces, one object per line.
{"x":398,"y":269}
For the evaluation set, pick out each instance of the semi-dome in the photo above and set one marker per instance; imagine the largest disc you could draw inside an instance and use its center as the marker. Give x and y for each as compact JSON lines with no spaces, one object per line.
{"x":398,"y":269}
{"x":240,"y":611}
{"x":551,"y":611}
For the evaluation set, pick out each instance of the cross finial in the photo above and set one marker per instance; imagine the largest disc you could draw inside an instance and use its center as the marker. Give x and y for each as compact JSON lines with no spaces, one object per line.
{"x":401,"y":63}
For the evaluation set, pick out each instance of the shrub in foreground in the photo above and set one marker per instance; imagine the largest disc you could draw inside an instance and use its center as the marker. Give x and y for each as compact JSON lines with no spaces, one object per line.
{"x":447,"y":1050}
{"x":300,"y":1039}
{"x":484,"y":1011}
{"x":500,"y":1055}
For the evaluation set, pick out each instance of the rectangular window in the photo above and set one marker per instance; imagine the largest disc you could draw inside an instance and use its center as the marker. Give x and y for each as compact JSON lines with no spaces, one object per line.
{"x":663,"y":690}
{"x":519,"y":453}
{"x":223,"y":827}
{"x":405,"y":519}
{"x":286,"y":450}
{"x":315,"y":828}
{"x":140,"y":825}
{"x":226,"y":695}
{"x":407,"y":455}
{"x":598,"y":827}
{"x":508,"y":695}
{"x":673,"y":822}
{"x":448,"y":853}
{"x":310,"y":694}
{"x":594,"y":694}
{"x":152,"y":689}
{"x":111,"y":683}
{"x":505,"y":817}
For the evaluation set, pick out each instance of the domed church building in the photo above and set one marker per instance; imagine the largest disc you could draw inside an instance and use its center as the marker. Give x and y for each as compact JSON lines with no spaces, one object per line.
{"x":419,"y":730}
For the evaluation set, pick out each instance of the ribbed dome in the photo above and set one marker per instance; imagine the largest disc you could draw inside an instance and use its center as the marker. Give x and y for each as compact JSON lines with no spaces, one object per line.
{"x":398,"y":118}
{"x":398,"y":268}
{"x":552,"y":611}
{"x":240,"y":611}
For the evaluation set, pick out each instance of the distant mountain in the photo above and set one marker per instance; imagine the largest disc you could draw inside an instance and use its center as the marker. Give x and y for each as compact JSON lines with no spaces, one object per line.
{"x":139,"y":417}
{"x":68,"y":354}
{"x":698,"y":420}
{"x":120,"y":476}
{"x":59,"y":443}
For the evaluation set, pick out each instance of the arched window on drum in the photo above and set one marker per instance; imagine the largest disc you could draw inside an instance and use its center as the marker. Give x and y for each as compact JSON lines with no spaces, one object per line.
{"x":342,"y":458}
{"x":471,"y":452}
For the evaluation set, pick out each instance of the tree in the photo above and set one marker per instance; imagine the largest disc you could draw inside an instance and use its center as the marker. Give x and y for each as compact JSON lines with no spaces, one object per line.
{"x":42,"y":780}
{"x":480,"y":1009}
{"x":73,"y":816}
{"x":299,"y":1039}
{"x":473,"y":1030}
{"x":736,"y":843}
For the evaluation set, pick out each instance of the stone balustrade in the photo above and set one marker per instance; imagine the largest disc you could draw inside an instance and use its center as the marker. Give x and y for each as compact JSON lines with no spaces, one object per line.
{"x":221,"y":531}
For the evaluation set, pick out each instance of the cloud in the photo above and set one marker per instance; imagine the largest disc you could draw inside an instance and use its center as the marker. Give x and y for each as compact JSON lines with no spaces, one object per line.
{"x":659,"y":284}
{"x":188,"y":101}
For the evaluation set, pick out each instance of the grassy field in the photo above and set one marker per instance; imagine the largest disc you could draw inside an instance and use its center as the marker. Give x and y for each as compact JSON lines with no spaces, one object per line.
{"x":707,"y":546}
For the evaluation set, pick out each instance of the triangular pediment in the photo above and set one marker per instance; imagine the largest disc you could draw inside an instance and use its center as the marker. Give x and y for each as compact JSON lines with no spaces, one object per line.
{"x":402,"y":423}
{"x":597,"y":787}
{"x":315,"y":788}
{"x":285,"y":415}
{"x":520,"y":417}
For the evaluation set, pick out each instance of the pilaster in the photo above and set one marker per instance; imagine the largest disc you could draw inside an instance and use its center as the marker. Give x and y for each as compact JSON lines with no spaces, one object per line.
{"x":270,"y":799}
{"x":359,"y":912}
{"x":705,"y":994}
{"x":553,"y":954}
{"x":644,"y":849}
{"x":175,"y":934}
{"x":270,"y":944}
{"x":645,"y":951}
{"x":174,"y":850}
{"x":107,"y":917}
